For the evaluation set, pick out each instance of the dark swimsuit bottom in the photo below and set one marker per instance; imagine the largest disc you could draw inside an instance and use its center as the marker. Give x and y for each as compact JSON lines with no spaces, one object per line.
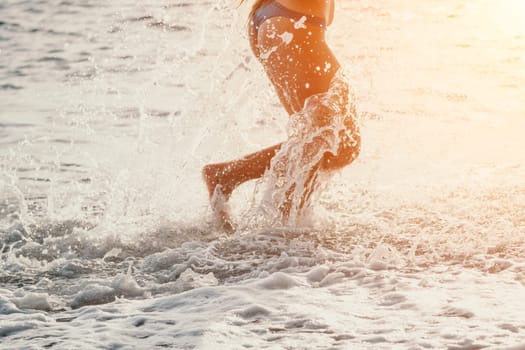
{"x":274,"y":9}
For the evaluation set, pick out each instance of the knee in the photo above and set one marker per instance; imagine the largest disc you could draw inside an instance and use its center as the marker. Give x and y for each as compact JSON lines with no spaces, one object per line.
{"x":348,"y":151}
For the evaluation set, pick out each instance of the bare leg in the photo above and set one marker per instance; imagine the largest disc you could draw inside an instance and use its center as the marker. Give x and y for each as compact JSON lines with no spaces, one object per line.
{"x":223,"y":178}
{"x":348,"y":149}
{"x":308,"y":189}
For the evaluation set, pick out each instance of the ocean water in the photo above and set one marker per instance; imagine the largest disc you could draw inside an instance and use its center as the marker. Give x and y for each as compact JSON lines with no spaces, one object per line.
{"x":109,"y":110}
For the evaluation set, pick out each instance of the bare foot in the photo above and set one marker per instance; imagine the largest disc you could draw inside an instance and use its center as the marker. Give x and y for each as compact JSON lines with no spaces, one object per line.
{"x":213,"y":176}
{"x":221,"y":210}
{"x":218,"y":197}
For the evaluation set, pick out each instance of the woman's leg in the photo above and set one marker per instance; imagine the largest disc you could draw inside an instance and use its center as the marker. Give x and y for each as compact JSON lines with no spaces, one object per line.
{"x":348,"y":150}
{"x":223,"y":178}
{"x":349,"y":142}
{"x":229,"y":175}
{"x":292,"y":206}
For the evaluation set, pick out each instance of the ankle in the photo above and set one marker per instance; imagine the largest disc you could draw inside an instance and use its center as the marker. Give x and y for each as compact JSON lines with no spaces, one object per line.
{"x":214,"y":177}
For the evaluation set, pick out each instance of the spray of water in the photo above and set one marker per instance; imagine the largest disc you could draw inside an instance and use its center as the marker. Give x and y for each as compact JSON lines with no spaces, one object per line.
{"x":322,"y":138}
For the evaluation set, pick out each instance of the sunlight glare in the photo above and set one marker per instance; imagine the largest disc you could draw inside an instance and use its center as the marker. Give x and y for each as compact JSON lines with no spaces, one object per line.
{"x":509,"y":17}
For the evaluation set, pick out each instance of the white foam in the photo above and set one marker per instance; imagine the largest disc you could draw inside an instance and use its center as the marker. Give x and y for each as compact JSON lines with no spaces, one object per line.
{"x":195,"y":280}
{"x":94,"y":294}
{"x":254,"y":311}
{"x":127,"y":286}
{"x":36,"y":301}
{"x":7,"y":306}
{"x":278,"y":280}
{"x":317,"y":273}
{"x":331,"y":278}
{"x":15,"y":327}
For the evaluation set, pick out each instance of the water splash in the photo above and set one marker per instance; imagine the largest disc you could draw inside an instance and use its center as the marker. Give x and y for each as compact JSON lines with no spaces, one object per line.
{"x":322,"y":138}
